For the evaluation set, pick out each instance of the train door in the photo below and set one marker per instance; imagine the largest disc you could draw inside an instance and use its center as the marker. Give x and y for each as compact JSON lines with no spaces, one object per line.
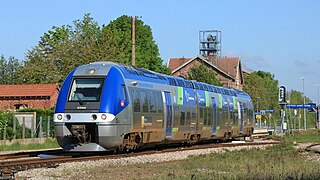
{"x":240,"y":116}
{"x":214,"y":115}
{"x":168,"y":115}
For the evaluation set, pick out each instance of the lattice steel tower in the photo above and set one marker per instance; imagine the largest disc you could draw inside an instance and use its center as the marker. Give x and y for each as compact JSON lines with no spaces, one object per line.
{"x":210,"y":43}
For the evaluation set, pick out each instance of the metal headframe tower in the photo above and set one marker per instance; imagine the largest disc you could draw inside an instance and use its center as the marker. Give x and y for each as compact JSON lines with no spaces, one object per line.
{"x":210,"y":43}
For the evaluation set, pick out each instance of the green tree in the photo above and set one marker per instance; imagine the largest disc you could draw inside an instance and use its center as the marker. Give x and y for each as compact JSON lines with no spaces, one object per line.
{"x":10,"y":70}
{"x":296,"y":97}
{"x":147,"y":51}
{"x":3,"y":122}
{"x":263,"y":89}
{"x":204,"y":74}
{"x":61,"y":49}
{"x":3,"y":66}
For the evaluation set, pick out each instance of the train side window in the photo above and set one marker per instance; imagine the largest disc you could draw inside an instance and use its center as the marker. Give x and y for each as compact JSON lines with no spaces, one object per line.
{"x":159,"y":102}
{"x":152,"y":102}
{"x":144,"y":101}
{"x":188,"y":117}
{"x":201,"y":112}
{"x":193,"y":114}
{"x":231,"y":116}
{"x":182,"y":116}
{"x":210,"y":118}
{"x":176,"y":116}
{"x":136,"y":101}
{"x":205,"y":116}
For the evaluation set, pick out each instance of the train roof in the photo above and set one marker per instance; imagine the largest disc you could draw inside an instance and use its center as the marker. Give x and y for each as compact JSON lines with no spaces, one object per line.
{"x":132,"y":72}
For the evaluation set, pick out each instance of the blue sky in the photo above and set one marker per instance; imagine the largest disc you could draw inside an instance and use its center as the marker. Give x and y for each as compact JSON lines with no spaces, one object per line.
{"x":280,"y":37}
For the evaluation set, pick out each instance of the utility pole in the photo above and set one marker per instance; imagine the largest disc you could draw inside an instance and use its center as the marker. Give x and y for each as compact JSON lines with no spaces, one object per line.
{"x":133,"y":39}
{"x":318,"y":124}
{"x":259,"y":119}
{"x":304,"y":109}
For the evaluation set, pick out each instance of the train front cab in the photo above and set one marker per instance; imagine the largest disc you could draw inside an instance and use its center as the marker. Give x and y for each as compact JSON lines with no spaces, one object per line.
{"x":92,"y":111}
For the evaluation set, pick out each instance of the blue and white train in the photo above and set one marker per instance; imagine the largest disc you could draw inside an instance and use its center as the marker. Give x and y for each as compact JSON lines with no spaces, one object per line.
{"x":107,"y":106}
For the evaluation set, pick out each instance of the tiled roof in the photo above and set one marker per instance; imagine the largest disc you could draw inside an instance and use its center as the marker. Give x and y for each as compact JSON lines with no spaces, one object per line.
{"x":27,"y":90}
{"x":174,"y":63}
{"x":226,"y":64}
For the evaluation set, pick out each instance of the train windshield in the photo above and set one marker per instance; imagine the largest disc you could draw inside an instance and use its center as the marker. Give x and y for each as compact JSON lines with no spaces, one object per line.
{"x":86,"y":89}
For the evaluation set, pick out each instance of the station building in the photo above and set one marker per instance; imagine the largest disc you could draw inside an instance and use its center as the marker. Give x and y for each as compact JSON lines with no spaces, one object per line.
{"x":14,"y":97}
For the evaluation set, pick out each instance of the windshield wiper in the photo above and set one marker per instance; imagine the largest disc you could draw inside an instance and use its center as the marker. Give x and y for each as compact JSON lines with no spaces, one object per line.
{"x":79,"y":98}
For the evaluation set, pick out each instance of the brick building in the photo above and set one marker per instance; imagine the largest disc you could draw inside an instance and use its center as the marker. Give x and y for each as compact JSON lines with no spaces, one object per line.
{"x":14,"y":97}
{"x":228,"y":69}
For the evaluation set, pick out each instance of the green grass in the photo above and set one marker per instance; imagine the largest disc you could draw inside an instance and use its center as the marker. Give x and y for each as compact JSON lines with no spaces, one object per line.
{"x":278,"y":162}
{"x":281,"y":161}
{"x":311,"y":136}
{"x":49,"y":143}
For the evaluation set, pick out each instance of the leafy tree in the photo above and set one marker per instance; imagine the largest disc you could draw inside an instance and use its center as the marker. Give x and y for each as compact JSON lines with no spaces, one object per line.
{"x":3,"y":122}
{"x":10,"y":70}
{"x":3,"y":66}
{"x":147,"y":51}
{"x":263,"y":89}
{"x":61,"y":49}
{"x":296,"y":97}
{"x":204,"y":74}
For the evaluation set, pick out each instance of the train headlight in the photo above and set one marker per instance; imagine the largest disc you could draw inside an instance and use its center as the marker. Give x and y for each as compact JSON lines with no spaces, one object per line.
{"x":59,"y":117}
{"x":94,"y":117}
{"x":103,"y":117}
{"x":91,"y":71}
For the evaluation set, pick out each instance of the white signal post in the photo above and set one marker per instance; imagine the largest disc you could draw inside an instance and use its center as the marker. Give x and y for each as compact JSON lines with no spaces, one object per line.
{"x":317,"y":107}
{"x":304,"y":102}
{"x":282,"y":102}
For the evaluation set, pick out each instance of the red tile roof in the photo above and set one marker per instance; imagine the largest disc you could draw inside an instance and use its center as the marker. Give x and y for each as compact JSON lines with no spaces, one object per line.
{"x":226,"y":64}
{"x":174,"y":63}
{"x":28,"y":90}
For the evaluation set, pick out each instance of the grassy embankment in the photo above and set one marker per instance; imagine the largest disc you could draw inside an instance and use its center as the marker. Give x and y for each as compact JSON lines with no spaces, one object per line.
{"x":49,"y":143}
{"x":310,"y":136}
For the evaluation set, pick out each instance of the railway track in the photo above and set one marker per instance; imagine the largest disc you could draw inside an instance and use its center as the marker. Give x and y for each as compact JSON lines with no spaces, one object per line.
{"x":12,"y":163}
